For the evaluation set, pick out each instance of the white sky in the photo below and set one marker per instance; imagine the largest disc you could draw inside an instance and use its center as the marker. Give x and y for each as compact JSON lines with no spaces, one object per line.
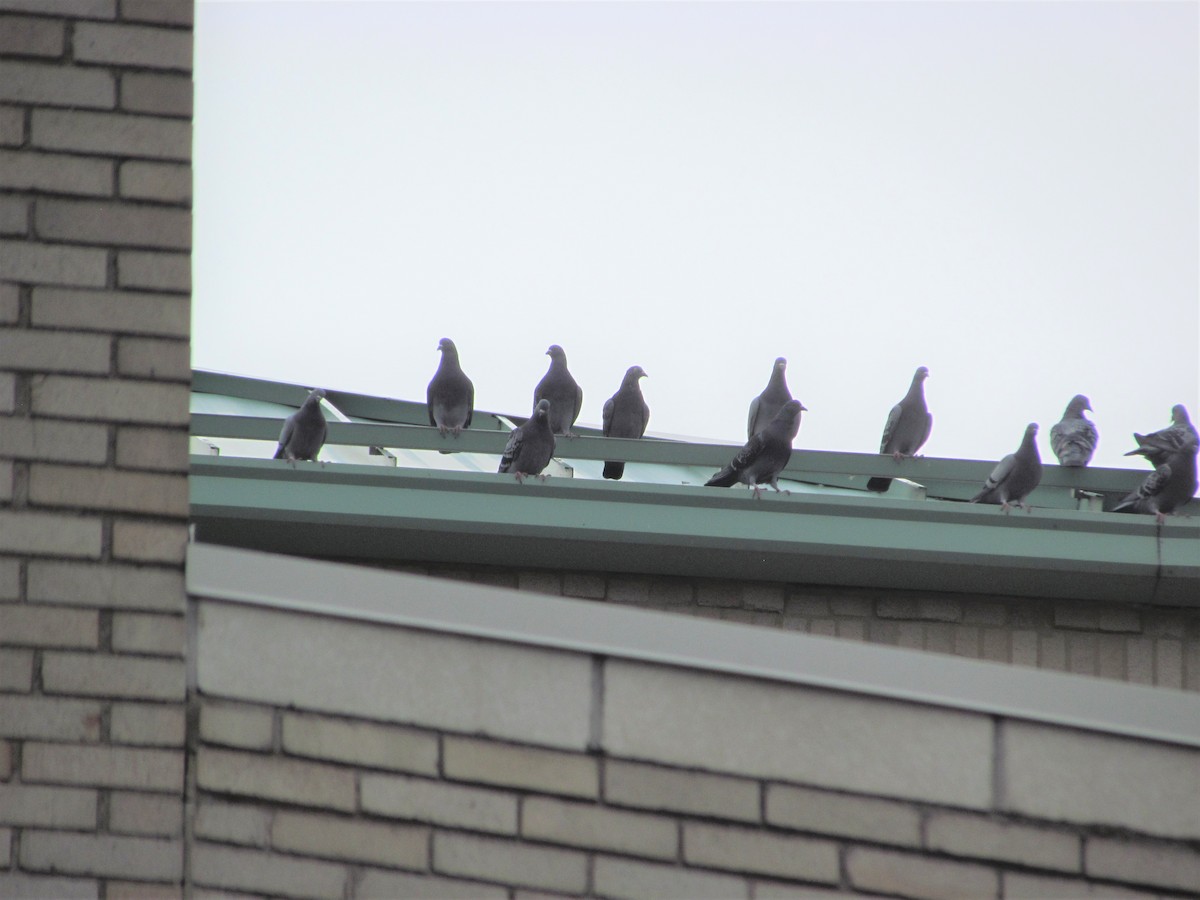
{"x":1006,"y":193}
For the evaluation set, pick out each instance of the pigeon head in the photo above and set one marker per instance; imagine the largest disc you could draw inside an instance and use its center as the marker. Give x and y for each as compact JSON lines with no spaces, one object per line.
{"x":921,"y":374}
{"x":541,"y":412}
{"x":1031,"y":430}
{"x":315,"y":397}
{"x":781,"y":363}
{"x":633,"y":373}
{"x":445,"y":345}
{"x":557,"y":354}
{"x":1179,"y":414}
{"x":792,"y":408}
{"x":1077,"y":405}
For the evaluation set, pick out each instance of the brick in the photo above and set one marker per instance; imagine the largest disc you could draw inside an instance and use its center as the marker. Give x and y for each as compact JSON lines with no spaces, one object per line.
{"x":1162,"y":865}
{"x":1116,"y":619}
{"x":667,"y":593}
{"x":108,"y":489}
{"x":153,"y":358}
{"x":49,"y":440}
{"x":1110,"y":656}
{"x":590,"y":826}
{"x":8,"y":391}
{"x":164,"y":94}
{"x":6,"y":760}
{"x":1060,"y":774}
{"x":266,"y":873}
{"x":150,"y":542}
{"x":251,"y":728}
{"x":158,"y":815}
{"x":635,"y":591}
{"x":26,"y":36}
{"x":108,"y":585}
{"x":719,"y":593}
{"x":440,"y":803}
{"x":168,"y":12}
{"x":148,"y":724}
{"x":27,"y":531}
{"x":112,"y":133}
{"x":114,"y":222}
{"x":154,"y":271}
{"x":12,"y":126}
{"x":10,"y":303}
{"x":749,"y":850}
{"x":14,"y":216}
{"x":374,"y":883}
{"x":995,"y":644}
{"x":26,"y":170}
{"x":140,"y":890}
{"x":54,"y":351}
{"x":24,"y":624}
{"x":50,"y":807}
{"x":103,"y":855}
{"x":980,"y":612}
{"x":103,"y":765}
{"x":850,"y":605}
{"x":1020,"y":886}
{"x":133,"y":45}
{"x":233,"y":823}
{"x":467,"y":759}
{"x":6,"y":481}
{"x":76,"y":9}
{"x":624,"y":878}
{"x":1052,"y":652}
{"x":41,"y":887}
{"x":966,"y":641}
{"x":901,"y":873}
{"x":540,"y":582}
{"x":698,"y":793}
{"x":16,"y":670}
{"x":142,"y":633}
{"x":164,"y":449}
{"x":763,"y":597}
{"x":276,"y":778}
{"x":1168,"y":663}
{"x":974,"y":836}
{"x":110,"y":400}
{"x":10,"y":579}
{"x":510,"y":862}
{"x":1024,"y":648}
{"x":403,"y":846}
{"x":1079,"y":616}
{"x":102,"y":675}
{"x":364,"y":743}
{"x":167,"y":182}
{"x":49,"y":718}
{"x":865,"y":818}
{"x":27,"y":261}
{"x":109,"y":311}
{"x":577,"y":584}
{"x":31,"y":82}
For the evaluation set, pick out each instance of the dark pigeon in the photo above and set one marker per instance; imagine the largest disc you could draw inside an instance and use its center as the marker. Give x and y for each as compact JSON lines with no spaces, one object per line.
{"x":766,"y":453}
{"x":625,"y":415}
{"x":560,"y":388}
{"x":303,"y":433}
{"x":450,"y":395}
{"x":1074,"y":437}
{"x":531,"y":445}
{"x":766,"y":405}
{"x":1015,"y":476}
{"x":1159,"y":445}
{"x":1172,"y":484}
{"x":907,"y":428}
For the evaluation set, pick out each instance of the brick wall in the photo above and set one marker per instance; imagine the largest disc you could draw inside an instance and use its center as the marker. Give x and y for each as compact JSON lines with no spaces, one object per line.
{"x":95,"y":238}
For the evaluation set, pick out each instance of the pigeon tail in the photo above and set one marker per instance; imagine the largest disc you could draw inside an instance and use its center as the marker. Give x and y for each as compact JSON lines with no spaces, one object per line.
{"x":614,"y":470}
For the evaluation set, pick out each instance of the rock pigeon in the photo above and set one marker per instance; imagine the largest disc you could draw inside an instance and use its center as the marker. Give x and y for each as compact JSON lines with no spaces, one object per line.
{"x":1172,"y":484}
{"x":907,"y":427}
{"x":563,"y":392}
{"x":1073,"y":438}
{"x":1161,"y":444}
{"x":625,"y":415}
{"x":303,"y":433}
{"x":1015,"y":476}
{"x":766,"y":453}
{"x":766,"y":405}
{"x":450,"y":395}
{"x":531,"y":445}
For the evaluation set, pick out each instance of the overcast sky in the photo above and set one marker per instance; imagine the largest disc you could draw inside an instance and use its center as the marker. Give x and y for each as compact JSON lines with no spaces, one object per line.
{"x":1006,"y":193}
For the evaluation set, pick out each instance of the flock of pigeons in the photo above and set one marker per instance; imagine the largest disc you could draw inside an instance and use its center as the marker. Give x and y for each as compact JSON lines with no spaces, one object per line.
{"x":772,"y":425}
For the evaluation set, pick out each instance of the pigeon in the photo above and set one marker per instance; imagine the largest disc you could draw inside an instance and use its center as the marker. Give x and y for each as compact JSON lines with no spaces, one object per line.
{"x":563,"y":392}
{"x":531,"y":445}
{"x":1073,"y":438}
{"x":764,"y":407}
{"x":907,"y":427}
{"x":1159,"y":445}
{"x":450,"y":396}
{"x":1015,"y":476}
{"x":766,"y":453}
{"x":303,"y":433}
{"x":625,"y":415}
{"x":1171,"y":484}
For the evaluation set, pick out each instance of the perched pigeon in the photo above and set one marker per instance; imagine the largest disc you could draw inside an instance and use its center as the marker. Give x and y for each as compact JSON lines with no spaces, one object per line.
{"x":764,"y":407}
{"x":1172,"y":484}
{"x":1073,"y":438}
{"x":1158,"y":446}
{"x":450,"y":395}
{"x":563,"y":392}
{"x":766,"y":453}
{"x":303,"y":433}
{"x":1015,"y":476}
{"x":531,"y":445}
{"x":907,"y":427}
{"x":625,"y":415}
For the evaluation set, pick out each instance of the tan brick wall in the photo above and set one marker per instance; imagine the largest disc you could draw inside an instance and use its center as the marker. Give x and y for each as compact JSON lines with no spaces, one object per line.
{"x":95,"y":284}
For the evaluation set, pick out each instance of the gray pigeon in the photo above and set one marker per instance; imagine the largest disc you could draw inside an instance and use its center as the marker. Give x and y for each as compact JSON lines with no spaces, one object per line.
{"x":531,"y":445}
{"x":450,"y":396}
{"x":563,"y":392}
{"x":1074,"y":437}
{"x":625,"y":415}
{"x":766,"y":405}
{"x":1015,"y":476}
{"x":1172,"y":484}
{"x":766,"y":453}
{"x":303,"y":433}
{"x":1159,"y":445}
{"x":907,"y":428}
